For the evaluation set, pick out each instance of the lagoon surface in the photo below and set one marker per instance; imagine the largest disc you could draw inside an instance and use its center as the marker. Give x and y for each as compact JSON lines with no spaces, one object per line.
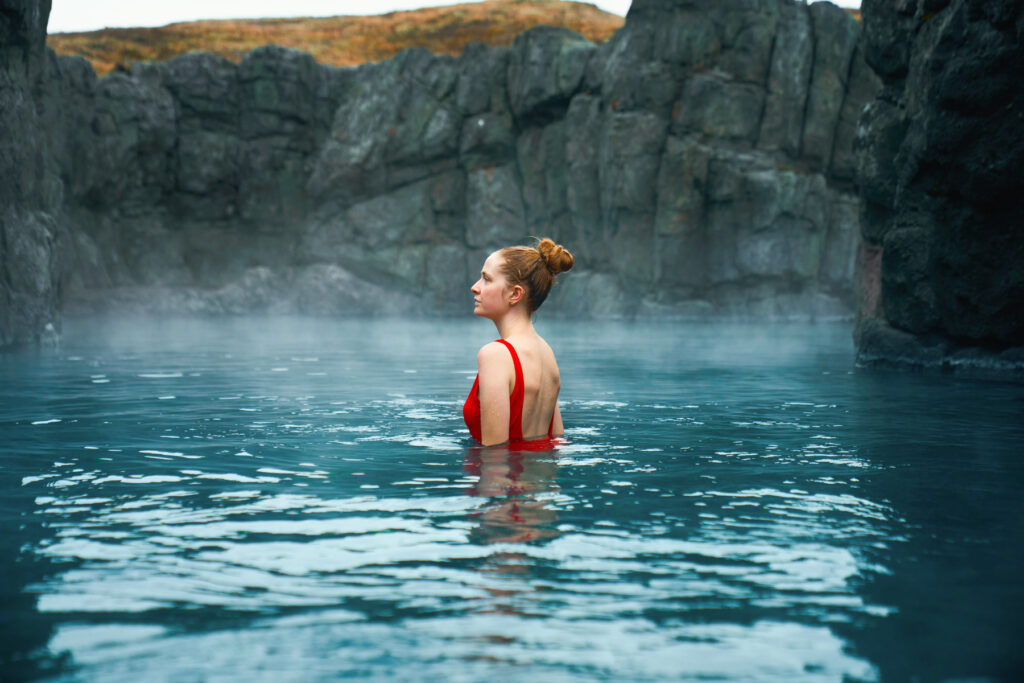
{"x":297,"y":499}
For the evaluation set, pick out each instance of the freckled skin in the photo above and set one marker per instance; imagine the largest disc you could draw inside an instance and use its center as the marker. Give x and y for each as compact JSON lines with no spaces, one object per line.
{"x":506,"y":305}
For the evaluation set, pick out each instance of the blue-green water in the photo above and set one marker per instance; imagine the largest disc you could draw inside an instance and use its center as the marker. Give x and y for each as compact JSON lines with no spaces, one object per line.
{"x":295,"y":500}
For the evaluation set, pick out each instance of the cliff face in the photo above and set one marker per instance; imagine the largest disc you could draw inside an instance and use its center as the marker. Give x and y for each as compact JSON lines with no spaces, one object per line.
{"x":699,"y":162}
{"x":943,"y":149}
{"x":30,"y":191}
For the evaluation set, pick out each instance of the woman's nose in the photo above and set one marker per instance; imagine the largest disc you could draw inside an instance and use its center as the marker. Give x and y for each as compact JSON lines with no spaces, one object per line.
{"x":475,"y":288}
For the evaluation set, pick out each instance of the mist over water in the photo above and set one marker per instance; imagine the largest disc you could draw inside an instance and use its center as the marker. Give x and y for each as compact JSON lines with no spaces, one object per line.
{"x":297,"y":498}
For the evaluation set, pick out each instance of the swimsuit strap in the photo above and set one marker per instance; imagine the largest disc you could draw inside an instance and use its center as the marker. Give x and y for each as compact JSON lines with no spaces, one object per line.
{"x":515,"y":425}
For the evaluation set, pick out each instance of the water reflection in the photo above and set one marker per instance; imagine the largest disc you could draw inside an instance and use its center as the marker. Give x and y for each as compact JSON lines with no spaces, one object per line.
{"x":515,"y":480}
{"x":517,"y":511}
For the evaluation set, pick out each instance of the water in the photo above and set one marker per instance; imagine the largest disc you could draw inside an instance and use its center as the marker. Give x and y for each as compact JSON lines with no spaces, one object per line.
{"x":295,"y":500}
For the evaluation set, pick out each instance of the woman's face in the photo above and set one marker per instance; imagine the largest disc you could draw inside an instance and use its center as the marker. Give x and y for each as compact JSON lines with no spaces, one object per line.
{"x":490,"y":292}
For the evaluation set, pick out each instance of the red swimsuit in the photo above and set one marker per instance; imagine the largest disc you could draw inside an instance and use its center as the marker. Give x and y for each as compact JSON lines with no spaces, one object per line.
{"x":471,"y":409}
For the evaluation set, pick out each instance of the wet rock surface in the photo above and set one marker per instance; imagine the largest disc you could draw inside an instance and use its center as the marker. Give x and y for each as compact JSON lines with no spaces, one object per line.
{"x":699,"y":163}
{"x":942,"y":148}
{"x":30,"y":191}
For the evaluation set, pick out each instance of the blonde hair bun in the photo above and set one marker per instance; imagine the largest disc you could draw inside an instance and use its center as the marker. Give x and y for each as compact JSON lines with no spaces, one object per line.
{"x":556,"y":257}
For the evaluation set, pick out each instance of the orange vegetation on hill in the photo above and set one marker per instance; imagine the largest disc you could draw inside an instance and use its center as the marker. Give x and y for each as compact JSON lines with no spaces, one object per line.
{"x":341,"y":41}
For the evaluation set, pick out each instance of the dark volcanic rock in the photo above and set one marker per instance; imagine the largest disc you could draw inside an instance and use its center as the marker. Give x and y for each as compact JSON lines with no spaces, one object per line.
{"x":545,"y":70}
{"x":942,"y":150}
{"x":699,"y":162}
{"x":30,"y":192}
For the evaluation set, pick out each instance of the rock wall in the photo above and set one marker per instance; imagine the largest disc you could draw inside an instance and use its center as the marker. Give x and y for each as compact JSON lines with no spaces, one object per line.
{"x":942,"y":153}
{"x":700,"y":162}
{"x":30,"y":192}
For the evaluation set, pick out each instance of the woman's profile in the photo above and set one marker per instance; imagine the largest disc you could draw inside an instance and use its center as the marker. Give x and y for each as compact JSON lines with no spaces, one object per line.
{"x":515,"y":396}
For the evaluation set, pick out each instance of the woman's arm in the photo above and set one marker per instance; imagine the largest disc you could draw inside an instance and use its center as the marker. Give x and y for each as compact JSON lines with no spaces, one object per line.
{"x":497,"y":376}
{"x":557,"y":429}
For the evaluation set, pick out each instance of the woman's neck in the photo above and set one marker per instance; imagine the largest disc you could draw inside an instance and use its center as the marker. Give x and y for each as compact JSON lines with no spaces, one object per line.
{"x":516,"y":321}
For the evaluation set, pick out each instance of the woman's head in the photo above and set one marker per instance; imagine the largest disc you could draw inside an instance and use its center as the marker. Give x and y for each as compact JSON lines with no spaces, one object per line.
{"x":534,"y":269}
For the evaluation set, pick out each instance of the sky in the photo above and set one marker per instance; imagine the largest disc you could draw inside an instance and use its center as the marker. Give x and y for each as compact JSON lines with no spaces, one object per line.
{"x":75,"y":15}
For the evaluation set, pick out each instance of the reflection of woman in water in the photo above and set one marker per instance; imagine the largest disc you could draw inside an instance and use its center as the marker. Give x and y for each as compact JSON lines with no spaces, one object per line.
{"x":514,"y":399}
{"x":519,"y":483}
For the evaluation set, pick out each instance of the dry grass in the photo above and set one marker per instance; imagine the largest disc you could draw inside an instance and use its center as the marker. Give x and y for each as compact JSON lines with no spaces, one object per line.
{"x":341,"y":41}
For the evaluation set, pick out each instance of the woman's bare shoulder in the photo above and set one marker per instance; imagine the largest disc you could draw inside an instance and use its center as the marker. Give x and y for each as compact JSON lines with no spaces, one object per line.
{"x":492,"y":352}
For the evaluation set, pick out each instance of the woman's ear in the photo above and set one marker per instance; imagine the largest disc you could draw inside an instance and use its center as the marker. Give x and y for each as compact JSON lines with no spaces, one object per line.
{"x":516,"y":295}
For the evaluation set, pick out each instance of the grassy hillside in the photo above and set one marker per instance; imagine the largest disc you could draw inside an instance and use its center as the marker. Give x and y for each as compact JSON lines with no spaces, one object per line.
{"x":341,"y":41}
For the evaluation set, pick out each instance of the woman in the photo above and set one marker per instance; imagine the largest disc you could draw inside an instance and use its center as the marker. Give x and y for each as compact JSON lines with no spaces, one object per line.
{"x":515,"y":396}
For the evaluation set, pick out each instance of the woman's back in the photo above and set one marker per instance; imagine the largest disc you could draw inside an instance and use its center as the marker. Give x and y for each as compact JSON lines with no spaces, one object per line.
{"x":541,"y":383}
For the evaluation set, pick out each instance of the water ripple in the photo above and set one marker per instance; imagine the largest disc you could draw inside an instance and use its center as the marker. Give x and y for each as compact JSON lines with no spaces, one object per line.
{"x":220,"y":502}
